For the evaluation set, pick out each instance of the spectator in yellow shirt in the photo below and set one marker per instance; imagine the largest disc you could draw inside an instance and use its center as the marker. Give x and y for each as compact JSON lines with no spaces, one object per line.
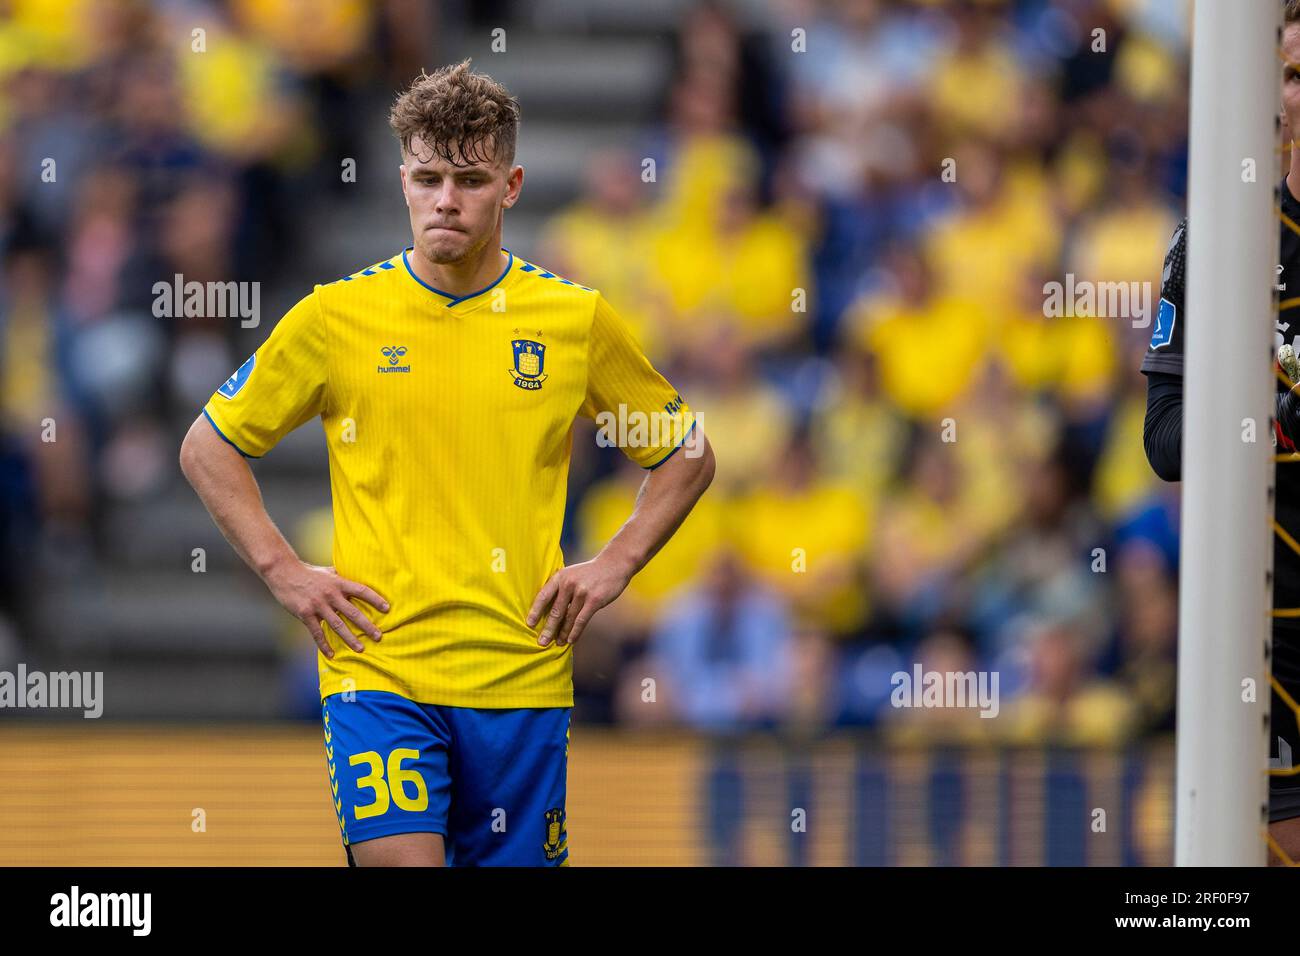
{"x":806,"y":535}
{"x":928,"y":345}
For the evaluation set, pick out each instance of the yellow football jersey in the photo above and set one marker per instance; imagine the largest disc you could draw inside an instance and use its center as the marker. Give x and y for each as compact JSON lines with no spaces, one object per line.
{"x":449,"y":426}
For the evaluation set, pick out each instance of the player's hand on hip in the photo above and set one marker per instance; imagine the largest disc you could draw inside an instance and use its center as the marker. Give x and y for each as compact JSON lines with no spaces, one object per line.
{"x":315,"y":594}
{"x":574,"y":594}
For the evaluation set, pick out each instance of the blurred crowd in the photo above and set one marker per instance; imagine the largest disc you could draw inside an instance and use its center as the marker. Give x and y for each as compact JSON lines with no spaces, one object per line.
{"x":917,"y":465}
{"x":125,"y":158}
{"x":839,"y":260}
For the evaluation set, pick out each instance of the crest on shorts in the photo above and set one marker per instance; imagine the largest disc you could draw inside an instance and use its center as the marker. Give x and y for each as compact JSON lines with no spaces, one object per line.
{"x":554,"y":833}
{"x":530,"y":363}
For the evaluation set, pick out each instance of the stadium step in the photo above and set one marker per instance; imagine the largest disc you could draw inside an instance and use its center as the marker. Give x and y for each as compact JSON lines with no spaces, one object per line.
{"x":163,"y":532}
{"x":139,"y":689}
{"x":571,"y":78}
{"x":218,"y":614}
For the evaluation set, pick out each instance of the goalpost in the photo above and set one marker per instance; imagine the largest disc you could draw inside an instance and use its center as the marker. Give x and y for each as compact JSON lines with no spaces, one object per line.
{"x":1224,"y":597}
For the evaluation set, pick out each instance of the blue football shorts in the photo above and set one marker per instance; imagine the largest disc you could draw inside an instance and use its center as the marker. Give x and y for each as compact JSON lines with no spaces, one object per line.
{"x":492,"y":782}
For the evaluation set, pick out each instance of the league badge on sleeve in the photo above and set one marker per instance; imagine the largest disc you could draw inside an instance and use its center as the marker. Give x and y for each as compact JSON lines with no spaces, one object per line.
{"x":1163,"y":333}
{"x":237,"y":381}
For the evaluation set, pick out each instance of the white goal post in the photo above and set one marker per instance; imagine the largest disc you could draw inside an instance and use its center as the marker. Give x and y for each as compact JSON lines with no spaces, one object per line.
{"x":1224,"y":598}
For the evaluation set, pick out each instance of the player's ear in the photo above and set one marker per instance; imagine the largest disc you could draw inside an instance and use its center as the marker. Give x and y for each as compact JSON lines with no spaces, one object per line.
{"x":401,"y":174}
{"x":514,"y":183}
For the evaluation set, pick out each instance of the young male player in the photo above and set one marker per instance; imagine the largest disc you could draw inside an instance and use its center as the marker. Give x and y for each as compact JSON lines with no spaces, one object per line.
{"x":1162,"y":437}
{"x":447,"y":379}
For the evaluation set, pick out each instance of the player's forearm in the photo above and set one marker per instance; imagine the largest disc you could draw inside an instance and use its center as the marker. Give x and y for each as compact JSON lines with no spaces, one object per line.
{"x":1288,"y":414}
{"x":665,"y":499}
{"x":227,"y":488}
{"x":1162,"y":430}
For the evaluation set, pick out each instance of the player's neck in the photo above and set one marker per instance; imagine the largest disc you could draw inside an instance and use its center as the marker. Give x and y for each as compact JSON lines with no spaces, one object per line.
{"x":460,"y":278}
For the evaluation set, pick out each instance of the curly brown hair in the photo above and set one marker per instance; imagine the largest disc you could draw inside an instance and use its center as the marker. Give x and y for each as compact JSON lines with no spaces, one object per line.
{"x":1291,"y":14}
{"x":456,"y":107}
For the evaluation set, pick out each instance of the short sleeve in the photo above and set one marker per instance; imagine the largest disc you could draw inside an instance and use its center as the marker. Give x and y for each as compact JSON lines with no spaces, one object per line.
{"x":633,"y":405}
{"x":1165,"y":353}
{"x":281,"y":386}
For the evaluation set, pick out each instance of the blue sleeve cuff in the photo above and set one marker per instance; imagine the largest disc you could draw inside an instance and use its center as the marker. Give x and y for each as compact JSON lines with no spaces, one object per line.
{"x":227,"y":440}
{"x":674,"y":451}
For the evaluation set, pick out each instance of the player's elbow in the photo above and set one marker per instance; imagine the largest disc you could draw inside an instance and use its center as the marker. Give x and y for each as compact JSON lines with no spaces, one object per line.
{"x":690,"y":468}
{"x":710,"y":467}
{"x":1166,"y":465}
{"x":1162,"y":429}
{"x":195,"y":449}
{"x":707,"y":467}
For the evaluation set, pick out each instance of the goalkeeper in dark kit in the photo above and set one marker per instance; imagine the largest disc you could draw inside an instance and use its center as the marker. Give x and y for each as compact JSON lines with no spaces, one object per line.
{"x":1162,"y":437}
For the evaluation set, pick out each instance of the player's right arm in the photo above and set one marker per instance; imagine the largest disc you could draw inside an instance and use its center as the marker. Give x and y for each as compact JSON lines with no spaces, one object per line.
{"x":281,"y":386}
{"x":229,"y":491}
{"x":1162,"y":430}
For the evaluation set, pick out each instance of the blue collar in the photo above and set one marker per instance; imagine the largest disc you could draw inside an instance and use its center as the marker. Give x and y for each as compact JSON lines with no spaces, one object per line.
{"x":456,"y":300}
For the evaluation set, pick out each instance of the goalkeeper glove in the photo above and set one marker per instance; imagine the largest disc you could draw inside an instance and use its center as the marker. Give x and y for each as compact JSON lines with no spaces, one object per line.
{"x":1288,"y":402}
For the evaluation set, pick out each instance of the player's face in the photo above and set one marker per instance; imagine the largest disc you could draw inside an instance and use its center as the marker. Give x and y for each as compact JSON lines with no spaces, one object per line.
{"x":1291,"y":82}
{"x":455,"y":210}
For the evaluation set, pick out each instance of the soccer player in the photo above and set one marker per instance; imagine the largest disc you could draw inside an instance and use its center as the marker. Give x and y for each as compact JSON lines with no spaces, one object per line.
{"x":1162,"y":437}
{"x":448,"y":378}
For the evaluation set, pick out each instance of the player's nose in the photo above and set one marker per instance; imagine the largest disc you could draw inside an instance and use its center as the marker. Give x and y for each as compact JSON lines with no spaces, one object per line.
{"x":446,"y":200}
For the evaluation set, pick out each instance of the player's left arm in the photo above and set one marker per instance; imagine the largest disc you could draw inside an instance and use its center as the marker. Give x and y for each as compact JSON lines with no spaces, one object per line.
{"x":622,"y":385}
{"x":665,"y":498}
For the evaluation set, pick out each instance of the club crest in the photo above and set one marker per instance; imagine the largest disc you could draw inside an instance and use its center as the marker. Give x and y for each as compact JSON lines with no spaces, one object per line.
{"x":530,"y":363}
{"x":555,"y":837}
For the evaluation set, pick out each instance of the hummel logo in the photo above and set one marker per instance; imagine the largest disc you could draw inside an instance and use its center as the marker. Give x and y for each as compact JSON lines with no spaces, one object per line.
{"x":394,"y":355}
